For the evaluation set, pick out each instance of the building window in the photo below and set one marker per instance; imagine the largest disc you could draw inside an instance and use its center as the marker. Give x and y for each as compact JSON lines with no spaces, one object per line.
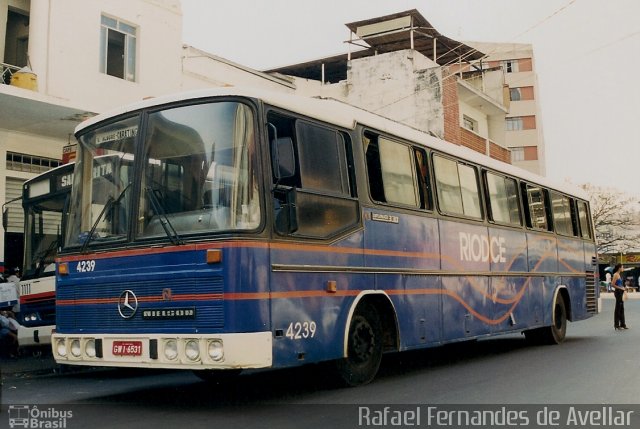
{"x":518,"y":123}
{"x":514,"y":124}
{"x":510,"y":66}
{"x":29,"y":163}
{"x":469,"y":123}
{"x":521,"y":93}
{"x":117,"y":49}
{"x":517,"y":154}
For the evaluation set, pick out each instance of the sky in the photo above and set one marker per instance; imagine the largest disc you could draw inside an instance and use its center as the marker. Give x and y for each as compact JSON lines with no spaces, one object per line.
{"x":587,"y":58}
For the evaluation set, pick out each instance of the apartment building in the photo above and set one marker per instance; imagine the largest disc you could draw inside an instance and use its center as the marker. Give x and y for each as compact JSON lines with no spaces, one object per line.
{"x":524,"y":137}
{"x":402,"y":68}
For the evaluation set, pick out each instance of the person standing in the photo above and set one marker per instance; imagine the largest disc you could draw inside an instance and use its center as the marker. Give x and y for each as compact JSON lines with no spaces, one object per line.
{"x":8,"y":334}
{"x":14,"y":276}
{"x":618,"y":291}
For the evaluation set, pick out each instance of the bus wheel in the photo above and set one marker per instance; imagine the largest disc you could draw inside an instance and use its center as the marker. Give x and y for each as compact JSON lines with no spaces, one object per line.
{"x":364,"y":347}
{"x":557,"y":332}
{"x":217,"y":376}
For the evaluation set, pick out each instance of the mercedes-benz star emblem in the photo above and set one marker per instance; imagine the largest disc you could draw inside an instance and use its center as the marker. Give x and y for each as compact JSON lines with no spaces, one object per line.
{"x":127,"y":304}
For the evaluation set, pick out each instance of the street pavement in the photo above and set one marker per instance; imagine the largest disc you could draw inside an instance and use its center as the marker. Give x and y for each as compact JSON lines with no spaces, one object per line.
{"x":36,"y":362}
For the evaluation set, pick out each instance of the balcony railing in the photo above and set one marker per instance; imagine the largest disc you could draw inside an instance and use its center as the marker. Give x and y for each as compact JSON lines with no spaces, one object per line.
{"x":6,"y":72}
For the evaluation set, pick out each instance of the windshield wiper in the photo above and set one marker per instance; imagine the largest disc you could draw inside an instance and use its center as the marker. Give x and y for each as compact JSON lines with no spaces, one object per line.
{"x":110,"y":202}
{"x":41,"y":258}
{"x":164,"y":219}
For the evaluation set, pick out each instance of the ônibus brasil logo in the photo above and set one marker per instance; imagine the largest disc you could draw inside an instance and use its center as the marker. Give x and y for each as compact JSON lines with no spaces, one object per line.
{"x":27,"y":416}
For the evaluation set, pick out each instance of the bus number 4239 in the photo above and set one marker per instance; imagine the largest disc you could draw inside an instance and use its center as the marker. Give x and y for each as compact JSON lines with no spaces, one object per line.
{"x":300,"y":330}
{"x":86,"y":266}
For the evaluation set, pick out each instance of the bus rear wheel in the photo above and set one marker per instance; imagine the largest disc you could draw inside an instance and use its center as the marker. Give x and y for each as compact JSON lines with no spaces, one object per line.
{"x":557,"y":332}
{"x":364,"y":347}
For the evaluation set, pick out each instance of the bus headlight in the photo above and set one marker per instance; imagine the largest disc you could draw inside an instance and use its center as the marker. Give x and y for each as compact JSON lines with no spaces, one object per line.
{"x":61,"y":348}
{"x":90,"y":348}
{"x":75,"y":348}
{"x":171,"y":349}
{"x":216,"y":350}
{"x":192,"y":350}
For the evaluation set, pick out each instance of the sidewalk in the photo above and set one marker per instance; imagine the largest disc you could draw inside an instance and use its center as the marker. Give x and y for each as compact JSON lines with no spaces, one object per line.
{"x":609,"y":295}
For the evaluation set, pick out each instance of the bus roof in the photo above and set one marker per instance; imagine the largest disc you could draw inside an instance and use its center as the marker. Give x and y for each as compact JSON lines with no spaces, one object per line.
{"x":52,"y":172}
{"x":341,"y":114}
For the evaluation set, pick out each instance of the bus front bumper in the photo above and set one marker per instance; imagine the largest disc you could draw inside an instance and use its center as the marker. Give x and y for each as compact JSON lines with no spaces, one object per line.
{"x":34,"y":336}
{"x":213,"y":351}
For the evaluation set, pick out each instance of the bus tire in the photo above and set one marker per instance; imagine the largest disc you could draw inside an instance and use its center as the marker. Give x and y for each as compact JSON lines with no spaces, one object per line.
{"x":557,"y":332}
{"x":217,"y":376}
{"x":364,"y":347}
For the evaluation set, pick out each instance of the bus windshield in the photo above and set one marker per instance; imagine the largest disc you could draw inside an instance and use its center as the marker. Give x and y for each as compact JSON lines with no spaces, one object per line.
{"x":196,"y":176}
{"x":42,"y":235}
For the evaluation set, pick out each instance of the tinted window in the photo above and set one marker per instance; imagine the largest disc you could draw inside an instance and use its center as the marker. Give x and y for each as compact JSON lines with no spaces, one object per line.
{"x":318,"y":193}
{"x":322,"y":159}
{"x":390,"y":170}
{"x":424,"y":181}
{"x":583,"y":216}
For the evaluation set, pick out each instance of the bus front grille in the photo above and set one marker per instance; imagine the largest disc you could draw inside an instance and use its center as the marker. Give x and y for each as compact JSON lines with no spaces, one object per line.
{"x":201,"y":299}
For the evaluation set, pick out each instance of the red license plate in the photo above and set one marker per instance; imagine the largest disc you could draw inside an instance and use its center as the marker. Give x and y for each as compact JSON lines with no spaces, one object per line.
{"x":127,"y":348}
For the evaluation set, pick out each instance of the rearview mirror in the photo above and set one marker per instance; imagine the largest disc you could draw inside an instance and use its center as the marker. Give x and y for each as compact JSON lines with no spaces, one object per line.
{"x":284,"y":161}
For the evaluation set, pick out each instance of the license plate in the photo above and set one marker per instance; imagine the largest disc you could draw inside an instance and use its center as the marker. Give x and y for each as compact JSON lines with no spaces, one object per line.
{"x":127,"y":348}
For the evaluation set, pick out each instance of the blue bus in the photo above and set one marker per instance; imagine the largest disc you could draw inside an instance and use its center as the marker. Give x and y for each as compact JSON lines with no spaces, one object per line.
{"x":235,"y":228}
{"x":44,"y":199}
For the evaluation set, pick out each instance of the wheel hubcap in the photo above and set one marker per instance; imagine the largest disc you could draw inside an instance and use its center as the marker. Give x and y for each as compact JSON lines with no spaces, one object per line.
{"x":362,"y":341}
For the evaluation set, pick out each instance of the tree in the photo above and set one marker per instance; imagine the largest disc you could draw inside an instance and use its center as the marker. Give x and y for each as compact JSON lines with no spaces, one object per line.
{"x":615,"y":219}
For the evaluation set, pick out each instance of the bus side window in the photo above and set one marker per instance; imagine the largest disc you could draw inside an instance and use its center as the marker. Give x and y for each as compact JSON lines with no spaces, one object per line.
{"x":321,"y":188}
{"x":574,"y":218}
{"x":563,"y":215}
{"x":374,"y":170}
{"x":457,"y":188}
{"x":424,"y":180}
{"x":583,"y":218}
{"x":502,"y":193}
{"x":390,"y":166}
{"x":536,"y":207}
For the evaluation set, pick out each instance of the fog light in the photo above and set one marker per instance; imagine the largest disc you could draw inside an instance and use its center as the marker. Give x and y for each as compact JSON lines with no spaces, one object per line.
{"x":75,"y":348}
{"x":192,"y":350}
{"x":61,"y":348}
{"x":90,"y":348}
{"x":216,"y":350}
{"x":171,"y":349}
